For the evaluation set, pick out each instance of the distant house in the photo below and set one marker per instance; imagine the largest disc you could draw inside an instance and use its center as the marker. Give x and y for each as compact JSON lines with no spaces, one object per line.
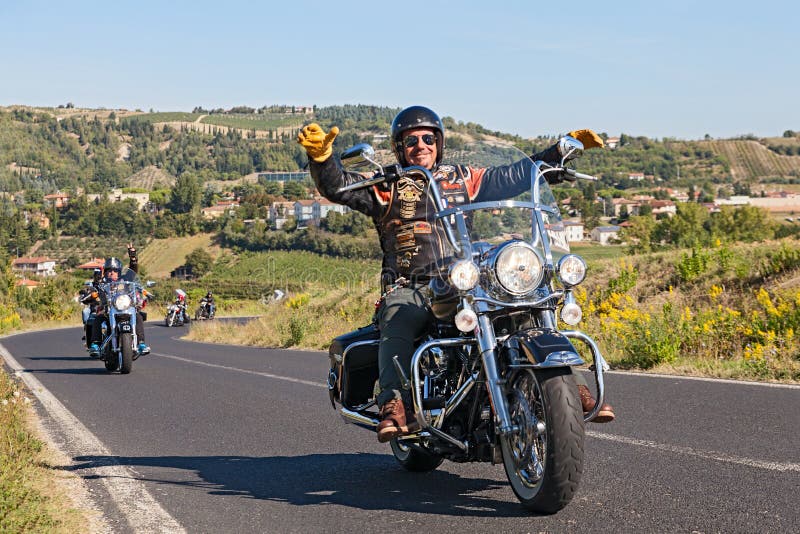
{"x":605,"y":234}
{"x":91,"y":265}
{"x":663,"y":206}
{"x":30,"y":285}
{"x":574,"y":231}
{"x":612,"y":142}
{"x":116,"y":195}
{"x":183,"y":272}
{"x":59,"y":200}
{"x":42,"y":220}
{"x":279,"y":212}
{"x":219,"y":209}
{"x":322,"y":207}
{"x":636,"y":176}
{"x":631,"y":206}
{"x":141,"y":199}
{"x":38,"y":266}
{"x":304,"y":211}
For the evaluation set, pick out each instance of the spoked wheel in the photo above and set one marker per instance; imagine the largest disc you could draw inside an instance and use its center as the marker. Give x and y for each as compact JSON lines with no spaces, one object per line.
{"x":543,"y":458}
{"x":415,"y":458}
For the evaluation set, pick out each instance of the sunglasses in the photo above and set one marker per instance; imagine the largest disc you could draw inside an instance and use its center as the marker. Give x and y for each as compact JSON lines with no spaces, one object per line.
{"x":412,"y":140}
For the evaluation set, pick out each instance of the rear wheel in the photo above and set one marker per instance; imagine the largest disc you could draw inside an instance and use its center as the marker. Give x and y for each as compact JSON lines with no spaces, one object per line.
{"x":126,"y":348}
{"x":544,"y":458}
{"x":415,"y":458}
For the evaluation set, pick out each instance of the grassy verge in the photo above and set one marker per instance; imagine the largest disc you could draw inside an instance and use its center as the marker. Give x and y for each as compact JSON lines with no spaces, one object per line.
{"x":31,"y":497}
{"x":305,"y":320}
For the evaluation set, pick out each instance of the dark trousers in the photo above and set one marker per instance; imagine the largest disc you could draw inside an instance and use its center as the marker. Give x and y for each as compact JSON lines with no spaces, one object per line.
{"x":97,"y":328}
{"x":402,"y":318}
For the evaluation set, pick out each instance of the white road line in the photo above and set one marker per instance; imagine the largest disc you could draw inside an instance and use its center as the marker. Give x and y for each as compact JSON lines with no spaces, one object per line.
{"x":688,"y":451}
{"x":772,"y":466}
{"x":246,"y":371}
{"x":705,"y":379}
{"x":142,"y":512}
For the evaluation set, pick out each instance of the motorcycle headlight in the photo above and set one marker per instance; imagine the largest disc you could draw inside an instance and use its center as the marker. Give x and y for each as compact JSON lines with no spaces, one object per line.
{"x":464,"y":275}
{"x":519,"y":268}
{"x":122,"y":302}
{"x":571,"y":270}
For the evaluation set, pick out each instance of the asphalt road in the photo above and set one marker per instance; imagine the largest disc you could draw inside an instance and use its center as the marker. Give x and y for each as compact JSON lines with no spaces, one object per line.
{"x":232,"y":439}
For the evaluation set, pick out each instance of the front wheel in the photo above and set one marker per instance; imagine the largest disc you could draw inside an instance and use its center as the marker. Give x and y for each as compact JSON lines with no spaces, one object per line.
{"x":415,"y":458}
{"x":126,"y":348}
{"x":543,"y":459}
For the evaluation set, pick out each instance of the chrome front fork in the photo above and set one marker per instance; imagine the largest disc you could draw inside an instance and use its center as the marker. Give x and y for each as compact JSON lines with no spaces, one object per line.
{"x":487,"y":344}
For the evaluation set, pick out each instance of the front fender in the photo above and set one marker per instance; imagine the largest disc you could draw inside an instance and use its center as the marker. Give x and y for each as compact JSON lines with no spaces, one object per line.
{"x":541,"y":347}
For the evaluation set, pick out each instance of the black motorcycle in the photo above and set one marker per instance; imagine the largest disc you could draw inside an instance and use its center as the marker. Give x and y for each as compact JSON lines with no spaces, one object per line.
{"x":494,"y":378}
{"x":206,"y":310}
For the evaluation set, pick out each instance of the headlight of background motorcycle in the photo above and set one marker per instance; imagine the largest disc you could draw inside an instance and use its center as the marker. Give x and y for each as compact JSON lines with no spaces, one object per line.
{"x":464,"y":275}
{"x":518,"y":268}
{"x":122,"y":302}
{"x":571,"y":270}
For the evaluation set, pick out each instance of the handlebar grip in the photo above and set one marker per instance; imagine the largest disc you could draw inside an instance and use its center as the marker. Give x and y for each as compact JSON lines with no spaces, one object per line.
{"x":579,"y":175}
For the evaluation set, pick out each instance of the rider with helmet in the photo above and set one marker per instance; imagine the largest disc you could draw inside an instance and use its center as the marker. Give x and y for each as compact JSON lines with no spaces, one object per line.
{"x":208,"y":302}
{"x":89,"y":298}
{"x":180,"y":302}
{"x":112,"y":272}
{"x":411,"y":241}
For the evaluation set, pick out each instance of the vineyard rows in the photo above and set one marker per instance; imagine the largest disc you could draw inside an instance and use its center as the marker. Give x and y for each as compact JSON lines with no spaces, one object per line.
{"x":750,"y":160}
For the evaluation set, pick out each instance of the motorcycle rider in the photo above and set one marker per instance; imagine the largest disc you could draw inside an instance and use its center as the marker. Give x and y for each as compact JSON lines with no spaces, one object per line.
{"x":411,"y":241}
{"x":208,"y":301}
{"x":112,"y":273}
{"x":89,"y":298}
{"x":180,"y":302}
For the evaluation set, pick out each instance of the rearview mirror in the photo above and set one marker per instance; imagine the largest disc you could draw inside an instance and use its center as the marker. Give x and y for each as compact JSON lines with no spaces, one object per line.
{"x":569,"y":148}
{"x":359,"y":157}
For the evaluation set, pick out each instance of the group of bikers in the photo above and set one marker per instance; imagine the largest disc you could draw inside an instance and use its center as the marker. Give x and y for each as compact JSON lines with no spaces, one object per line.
{"x":93,"y":298}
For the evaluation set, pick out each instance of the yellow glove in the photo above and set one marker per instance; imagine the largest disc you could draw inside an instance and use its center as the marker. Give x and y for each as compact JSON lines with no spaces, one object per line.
{"x":318,"y":144}
{"x":588,"y":138}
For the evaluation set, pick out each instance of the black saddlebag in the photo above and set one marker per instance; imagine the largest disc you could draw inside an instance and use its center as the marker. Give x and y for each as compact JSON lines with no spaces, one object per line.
{"x":356,"y":371}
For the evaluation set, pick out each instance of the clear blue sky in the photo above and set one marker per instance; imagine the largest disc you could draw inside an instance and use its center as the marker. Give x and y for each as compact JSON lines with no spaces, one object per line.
{"x":678,"y":68}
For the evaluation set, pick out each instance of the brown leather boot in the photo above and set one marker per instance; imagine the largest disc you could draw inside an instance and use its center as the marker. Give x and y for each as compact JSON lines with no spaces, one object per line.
{"x":604,"y":415}
{"x":393,"y":421}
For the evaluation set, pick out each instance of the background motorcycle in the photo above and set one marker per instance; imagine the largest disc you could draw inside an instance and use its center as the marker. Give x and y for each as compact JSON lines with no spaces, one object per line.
{"x":204,"y":311}
{"x":176,"y":315}
{"x":119,"y":347}
{"x":493,"y":379}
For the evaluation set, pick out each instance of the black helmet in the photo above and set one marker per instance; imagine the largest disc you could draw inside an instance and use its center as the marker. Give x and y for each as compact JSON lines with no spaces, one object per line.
{"x":209,"y":294}
{"x":112,"y":264}
{"x":416,"y":117}
{"x":97,"y":273}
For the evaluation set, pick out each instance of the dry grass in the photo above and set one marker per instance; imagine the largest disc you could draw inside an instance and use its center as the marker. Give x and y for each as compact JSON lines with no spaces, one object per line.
{"x":308,"y":321}
{"x":35,"y":496}
{"x":161,"y":256}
